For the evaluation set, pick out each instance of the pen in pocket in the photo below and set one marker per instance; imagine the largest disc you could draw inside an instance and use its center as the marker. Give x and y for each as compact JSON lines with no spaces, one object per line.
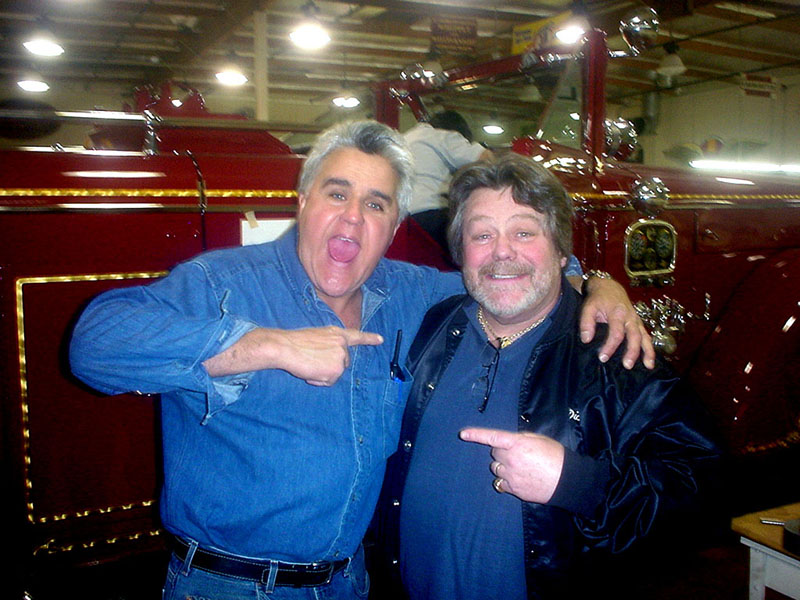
{"x":395,"y":372}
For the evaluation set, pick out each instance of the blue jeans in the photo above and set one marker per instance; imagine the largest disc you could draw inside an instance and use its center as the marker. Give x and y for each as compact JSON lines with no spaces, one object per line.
{"x":182,"y":583}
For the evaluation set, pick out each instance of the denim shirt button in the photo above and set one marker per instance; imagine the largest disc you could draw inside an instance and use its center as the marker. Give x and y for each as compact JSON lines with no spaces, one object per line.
{"x":407,"y":445}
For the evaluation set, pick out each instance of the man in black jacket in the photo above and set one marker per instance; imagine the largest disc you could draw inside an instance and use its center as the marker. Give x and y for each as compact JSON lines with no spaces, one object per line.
{"x":582,"y":455}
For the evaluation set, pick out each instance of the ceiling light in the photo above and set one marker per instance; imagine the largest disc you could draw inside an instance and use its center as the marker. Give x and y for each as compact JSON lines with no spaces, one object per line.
{"x":33,"y":83}
{"x":573,"y":29}
{"x":43,"y":43}
{"x":231,"y":74}
{"x":346,"y":100}
{"x":493,"y":127}
{"x":671,"y":64}
{"x":309,"y":34}
{"x":231,"y":77}
{"x":570,"y":34}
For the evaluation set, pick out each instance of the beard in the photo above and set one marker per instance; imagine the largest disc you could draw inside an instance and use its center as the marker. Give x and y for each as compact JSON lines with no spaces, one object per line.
{"x":507,"y":301}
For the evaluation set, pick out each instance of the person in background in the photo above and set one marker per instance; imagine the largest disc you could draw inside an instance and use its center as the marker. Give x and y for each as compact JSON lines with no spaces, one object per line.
{"x":440,"y":147}
{"x":520,"y":454}
{"x":279,"y":372}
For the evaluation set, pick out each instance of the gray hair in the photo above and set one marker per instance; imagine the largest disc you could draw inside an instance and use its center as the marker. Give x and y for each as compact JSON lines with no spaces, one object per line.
{"x":369,"y":137}
{"x":531,"y":185}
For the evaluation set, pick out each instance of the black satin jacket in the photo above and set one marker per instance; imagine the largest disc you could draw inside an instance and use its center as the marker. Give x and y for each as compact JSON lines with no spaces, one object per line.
{"x":637,"y":445}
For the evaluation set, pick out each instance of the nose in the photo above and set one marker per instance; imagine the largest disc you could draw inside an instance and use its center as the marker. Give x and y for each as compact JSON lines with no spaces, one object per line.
{"x":353,"y":211}
{"x":503,"y":248}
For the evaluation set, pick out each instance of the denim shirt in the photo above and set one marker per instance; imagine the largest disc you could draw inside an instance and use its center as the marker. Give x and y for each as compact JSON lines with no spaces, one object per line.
{"x":260,"y":464}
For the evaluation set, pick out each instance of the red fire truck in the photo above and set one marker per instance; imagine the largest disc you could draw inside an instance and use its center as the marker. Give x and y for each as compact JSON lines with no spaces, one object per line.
{"x":714,"y":270}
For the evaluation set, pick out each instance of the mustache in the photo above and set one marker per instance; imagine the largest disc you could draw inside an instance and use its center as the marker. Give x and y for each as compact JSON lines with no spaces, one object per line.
{"x":505,"y":268}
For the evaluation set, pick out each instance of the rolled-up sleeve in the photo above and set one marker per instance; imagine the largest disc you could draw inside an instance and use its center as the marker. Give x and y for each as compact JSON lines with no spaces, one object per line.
{"x":153,"y":339}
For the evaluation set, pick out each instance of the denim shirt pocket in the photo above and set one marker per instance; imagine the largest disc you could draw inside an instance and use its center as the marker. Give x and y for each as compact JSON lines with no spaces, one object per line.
{"x":395,"y":395}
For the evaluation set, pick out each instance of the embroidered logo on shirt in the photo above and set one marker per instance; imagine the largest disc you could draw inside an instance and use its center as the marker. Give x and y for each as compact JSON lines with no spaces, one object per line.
{"x":574,"y":415}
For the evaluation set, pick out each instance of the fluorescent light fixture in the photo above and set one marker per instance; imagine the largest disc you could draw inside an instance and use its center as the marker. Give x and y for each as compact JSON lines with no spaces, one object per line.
{"x":346,"y":101}
{"x":43,"y":44}
{"x":231,"y":77}
{"x":734,"y":181}
{"x":732,"y":165}
{"x":310,"y":36}
{"x":493,"y":129}
{"x":33,"y":85}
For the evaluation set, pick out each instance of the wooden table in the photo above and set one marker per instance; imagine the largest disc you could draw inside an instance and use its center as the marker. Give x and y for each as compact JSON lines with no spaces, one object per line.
{"x":770,"y":564}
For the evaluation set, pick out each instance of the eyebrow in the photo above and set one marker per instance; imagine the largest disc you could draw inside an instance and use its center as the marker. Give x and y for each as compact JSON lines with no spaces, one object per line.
{"x":525,"y":216}
{"x":347,"y":184}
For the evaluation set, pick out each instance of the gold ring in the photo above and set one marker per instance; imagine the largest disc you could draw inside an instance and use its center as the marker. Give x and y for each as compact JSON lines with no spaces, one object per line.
{"x":498,"y":481}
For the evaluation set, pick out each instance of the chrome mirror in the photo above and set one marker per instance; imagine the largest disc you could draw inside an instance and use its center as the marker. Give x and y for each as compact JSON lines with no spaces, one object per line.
{"x":621,"y":139}
{"x":639,"y":29}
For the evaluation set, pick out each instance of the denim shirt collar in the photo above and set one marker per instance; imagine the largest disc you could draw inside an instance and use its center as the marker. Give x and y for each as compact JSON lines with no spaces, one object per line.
{"x":374,"y":290}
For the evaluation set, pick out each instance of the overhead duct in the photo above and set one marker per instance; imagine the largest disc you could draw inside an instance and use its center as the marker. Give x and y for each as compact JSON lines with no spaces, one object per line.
{"x":651,"y":112}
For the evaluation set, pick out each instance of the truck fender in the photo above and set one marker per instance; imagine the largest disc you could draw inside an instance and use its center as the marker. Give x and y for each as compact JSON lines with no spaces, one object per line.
{"x":747,"y":371}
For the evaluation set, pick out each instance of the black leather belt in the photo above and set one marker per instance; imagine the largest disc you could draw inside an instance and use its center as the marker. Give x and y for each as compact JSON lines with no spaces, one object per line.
{"x":289,"y":574}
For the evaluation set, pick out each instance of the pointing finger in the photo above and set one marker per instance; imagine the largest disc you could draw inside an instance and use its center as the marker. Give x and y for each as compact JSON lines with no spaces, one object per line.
{"x":354,"y":337}
{"x":496,"y":438}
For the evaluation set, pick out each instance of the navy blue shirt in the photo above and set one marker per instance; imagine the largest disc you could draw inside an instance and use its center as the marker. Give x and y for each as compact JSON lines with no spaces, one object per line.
{"x":456,"y":533}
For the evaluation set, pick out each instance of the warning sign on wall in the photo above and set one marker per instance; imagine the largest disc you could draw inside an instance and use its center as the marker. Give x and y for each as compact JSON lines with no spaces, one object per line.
{"x":764,"y":86}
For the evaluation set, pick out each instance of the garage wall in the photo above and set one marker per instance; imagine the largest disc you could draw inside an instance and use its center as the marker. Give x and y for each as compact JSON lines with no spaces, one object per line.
{"x":725,"y":123}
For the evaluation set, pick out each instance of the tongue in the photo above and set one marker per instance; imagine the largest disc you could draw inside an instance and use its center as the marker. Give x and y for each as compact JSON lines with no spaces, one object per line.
{"x":342,"y":250}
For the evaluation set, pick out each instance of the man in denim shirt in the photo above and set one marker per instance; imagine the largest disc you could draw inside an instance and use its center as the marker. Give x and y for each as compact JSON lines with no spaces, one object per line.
{"x":278,"y":408}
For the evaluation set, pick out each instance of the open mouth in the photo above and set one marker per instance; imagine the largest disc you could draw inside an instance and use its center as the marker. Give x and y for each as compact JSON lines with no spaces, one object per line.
{"x":343,"y":249}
